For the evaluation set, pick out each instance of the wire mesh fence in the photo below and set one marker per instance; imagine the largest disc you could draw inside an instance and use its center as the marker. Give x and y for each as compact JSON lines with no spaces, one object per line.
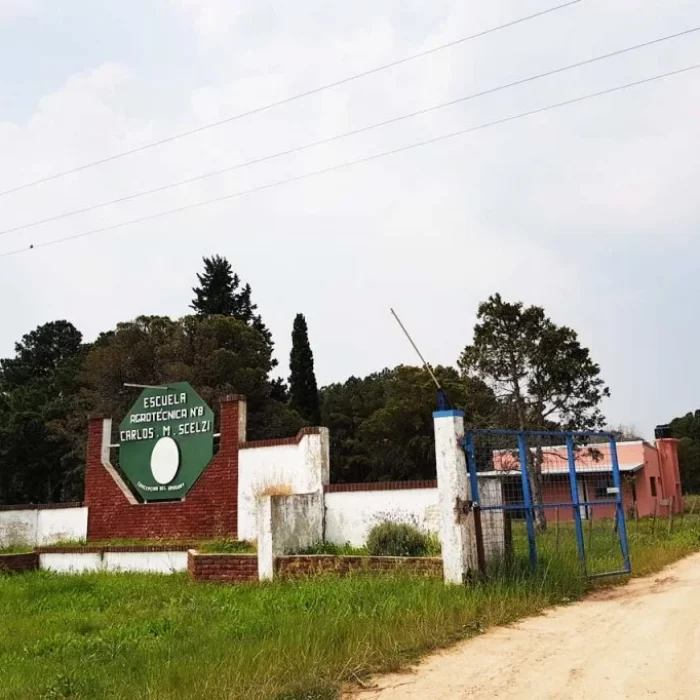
{"x":548,"y":498}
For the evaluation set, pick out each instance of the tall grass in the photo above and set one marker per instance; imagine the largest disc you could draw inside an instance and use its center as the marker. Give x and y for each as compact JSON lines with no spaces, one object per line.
{"x":146,"y":636}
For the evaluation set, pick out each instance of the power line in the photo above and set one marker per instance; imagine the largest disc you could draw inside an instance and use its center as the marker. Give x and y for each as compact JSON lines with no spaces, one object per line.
{"x":347,"y":164}
{"x":286,"y":100}
{"x":354,"y":132}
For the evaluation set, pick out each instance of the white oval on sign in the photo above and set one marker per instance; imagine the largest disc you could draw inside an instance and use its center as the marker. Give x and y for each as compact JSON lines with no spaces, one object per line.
{"x":165,"y":460}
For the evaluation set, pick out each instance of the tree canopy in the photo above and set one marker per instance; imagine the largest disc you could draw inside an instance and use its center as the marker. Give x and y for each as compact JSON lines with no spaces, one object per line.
{"x":687,"y":430}
{"x":381,"y":427}
{"x":38,"y":462}
{"x":221,"y":293}
{"x":540,"y":373}
{"x":217,"y":354}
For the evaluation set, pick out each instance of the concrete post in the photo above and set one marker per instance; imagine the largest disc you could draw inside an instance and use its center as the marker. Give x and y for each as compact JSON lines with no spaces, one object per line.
{"x":459,"y":554}
{"x":266,"y":553}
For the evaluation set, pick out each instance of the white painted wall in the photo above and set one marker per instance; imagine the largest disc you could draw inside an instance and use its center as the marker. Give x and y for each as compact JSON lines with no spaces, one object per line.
{"x":84,"y":562}
{"x":302,"y":467}
{"x":350,"y":515}
{"x":74,"y":563}
{"x":18,"y":527}
{"x":61,"y":524}
{"x":41,"y":527}
{"x":152,"y":562}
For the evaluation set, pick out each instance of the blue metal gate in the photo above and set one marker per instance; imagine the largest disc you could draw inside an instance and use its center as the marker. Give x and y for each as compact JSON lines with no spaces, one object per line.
{"x":551,"y":497}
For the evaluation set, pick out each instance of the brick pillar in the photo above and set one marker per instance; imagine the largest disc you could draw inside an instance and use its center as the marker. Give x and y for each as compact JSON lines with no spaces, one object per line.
{"x":93,"y":461}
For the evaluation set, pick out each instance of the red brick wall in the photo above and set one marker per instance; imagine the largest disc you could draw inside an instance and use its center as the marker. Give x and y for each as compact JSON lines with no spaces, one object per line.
{"x":223,"y":567}
{"x":210,"y":509}
{"x":18,"y":563}
{"x":309,"y":565}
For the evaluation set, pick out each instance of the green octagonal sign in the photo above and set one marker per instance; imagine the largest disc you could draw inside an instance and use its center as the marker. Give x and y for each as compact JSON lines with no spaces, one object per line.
{"x":165,"y":441}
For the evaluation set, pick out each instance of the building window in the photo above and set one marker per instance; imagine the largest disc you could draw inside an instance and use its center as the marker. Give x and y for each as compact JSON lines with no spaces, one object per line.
{"x":601,"y":489}
{"x":652,"y":486}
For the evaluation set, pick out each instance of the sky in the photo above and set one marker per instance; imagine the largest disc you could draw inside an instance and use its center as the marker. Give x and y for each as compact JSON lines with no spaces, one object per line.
{"x":590,"y":210}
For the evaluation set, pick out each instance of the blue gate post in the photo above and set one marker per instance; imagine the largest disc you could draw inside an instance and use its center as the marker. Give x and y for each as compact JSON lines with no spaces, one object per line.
{"x":619,"y":511}
{"x":575,"y":499}
{"x":522,"y":448}
{"x":471,"y":466}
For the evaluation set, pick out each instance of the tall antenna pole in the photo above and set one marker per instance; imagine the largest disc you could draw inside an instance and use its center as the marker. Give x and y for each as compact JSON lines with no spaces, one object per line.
{"x":415,"y":347}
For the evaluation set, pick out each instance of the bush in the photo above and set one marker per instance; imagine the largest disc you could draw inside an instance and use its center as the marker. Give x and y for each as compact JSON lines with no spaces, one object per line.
{"x":398,"y":540}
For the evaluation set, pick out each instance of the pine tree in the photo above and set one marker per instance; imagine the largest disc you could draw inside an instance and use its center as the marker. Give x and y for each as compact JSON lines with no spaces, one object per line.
{"x":302,"y":380}
{"x":216,"y":294}
{"x":220,"y":293}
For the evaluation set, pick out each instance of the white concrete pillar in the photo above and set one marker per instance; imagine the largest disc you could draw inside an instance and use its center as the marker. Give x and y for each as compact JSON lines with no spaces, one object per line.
{"x":266,"y":554}
{"x":459,"y":555}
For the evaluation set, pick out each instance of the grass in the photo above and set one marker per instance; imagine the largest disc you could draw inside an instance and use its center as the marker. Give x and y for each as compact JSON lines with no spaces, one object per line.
{"x":219,"y":545}
{"x":16,"y":549}
{"x":145,"y":636}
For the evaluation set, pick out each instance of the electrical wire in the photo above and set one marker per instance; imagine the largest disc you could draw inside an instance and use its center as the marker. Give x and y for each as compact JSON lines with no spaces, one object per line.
{"x":287,"y":100}
{"x":347,"y":164}
{"x":354,"y":132}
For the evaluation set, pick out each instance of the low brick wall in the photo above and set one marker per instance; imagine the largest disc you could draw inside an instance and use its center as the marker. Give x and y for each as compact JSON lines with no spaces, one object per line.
{"x":313,"y":564}
{"x":222,"y":567}
{"x":18,"y":563}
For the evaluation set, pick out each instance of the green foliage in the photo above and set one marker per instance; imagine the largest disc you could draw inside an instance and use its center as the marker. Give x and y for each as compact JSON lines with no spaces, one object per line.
{"x":133,"y":636}
{"x":302,"y":380}
{"x":220,"y":293}
{"x":390,"y":539}
{"x":333,"y":549}
{"x":38,"y":462}
{"x":217,"y":354}
{"x":381,"y":427}
{"x":538,"y":370}
{"x":687,"y":430}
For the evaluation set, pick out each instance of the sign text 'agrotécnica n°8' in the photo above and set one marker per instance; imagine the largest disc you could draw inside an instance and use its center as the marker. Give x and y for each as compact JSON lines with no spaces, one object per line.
{"x":165,"y":441}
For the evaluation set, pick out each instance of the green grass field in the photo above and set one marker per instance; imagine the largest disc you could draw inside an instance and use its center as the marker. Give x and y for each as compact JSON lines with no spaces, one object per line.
{"x":146,"y":636}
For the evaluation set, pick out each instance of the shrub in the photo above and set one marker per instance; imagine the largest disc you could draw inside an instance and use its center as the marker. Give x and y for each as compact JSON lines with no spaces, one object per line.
{"x":335,"y":549}
{"x":389,"y":539}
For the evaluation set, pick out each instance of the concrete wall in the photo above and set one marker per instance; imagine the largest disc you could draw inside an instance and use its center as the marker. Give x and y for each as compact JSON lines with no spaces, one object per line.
{"x":287,"y":524}
{"x":40,"y":526}
{"x":350,"y":515}
{"x":272,"y":467}
{"x":166,"y":562}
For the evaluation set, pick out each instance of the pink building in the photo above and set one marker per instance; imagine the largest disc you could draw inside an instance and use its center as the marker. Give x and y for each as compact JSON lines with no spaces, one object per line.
{"x":649,"y":474}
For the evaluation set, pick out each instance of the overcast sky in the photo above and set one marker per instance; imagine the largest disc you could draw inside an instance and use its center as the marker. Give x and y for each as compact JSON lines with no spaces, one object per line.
{"x":591,"y":210}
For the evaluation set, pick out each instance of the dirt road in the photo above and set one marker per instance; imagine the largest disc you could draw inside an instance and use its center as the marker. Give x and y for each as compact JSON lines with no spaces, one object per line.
{"x":641,"y":640}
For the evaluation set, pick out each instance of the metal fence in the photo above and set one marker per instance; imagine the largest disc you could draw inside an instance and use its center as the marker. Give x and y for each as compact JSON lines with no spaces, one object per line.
{"x":548,"y":498}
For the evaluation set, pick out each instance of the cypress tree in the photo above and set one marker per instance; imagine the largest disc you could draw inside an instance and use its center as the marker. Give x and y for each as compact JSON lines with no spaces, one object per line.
{"x":302,"y":381}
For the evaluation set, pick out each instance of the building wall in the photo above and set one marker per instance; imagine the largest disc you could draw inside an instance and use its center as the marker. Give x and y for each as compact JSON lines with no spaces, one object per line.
{"x":353,"y":509}
{"x":37,"y":526}
{"x":298,"y":465}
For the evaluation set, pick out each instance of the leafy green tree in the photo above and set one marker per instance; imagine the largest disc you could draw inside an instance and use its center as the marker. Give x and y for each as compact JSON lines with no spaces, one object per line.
{"x":539,"y":372}
{"x":220,"y":293}
{"x":381,"y":427}
{"x":217,"y":354}
{"x":302,"y":381}
{"x":38,"y":462}
{"x":687,"y":430}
